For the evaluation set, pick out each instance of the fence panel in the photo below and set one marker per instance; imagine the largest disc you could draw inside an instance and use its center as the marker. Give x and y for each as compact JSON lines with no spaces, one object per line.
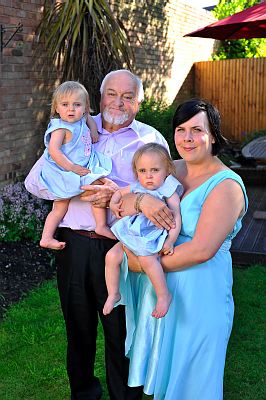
{"x":238,"y":88}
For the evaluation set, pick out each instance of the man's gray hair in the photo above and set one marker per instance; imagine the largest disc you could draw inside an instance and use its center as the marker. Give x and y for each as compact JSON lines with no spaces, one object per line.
{"x":135,"y":78}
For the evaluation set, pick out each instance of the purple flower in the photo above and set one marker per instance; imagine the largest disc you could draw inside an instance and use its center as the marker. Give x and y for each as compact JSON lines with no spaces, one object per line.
{"x":21,"y":214}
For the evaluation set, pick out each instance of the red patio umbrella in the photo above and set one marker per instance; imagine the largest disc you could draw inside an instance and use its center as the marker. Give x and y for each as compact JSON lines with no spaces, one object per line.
{"x":247,"y":24}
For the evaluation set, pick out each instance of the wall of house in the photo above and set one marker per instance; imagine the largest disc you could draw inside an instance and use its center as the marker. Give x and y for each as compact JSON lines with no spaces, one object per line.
{"x":27,"y":78}
{"x":164,"y":60}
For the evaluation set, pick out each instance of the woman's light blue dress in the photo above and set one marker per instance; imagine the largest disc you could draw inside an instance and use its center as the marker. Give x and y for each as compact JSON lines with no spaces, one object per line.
{"x":63,"y":184}
{"x":137,"y":232}
{"x":182,"y":356}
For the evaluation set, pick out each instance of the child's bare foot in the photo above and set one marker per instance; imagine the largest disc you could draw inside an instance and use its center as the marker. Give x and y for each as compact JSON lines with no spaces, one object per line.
{"x":162,"y":305}
{"x":105,"y":231}
{"x":110,"y":303}
{"x":52,"y":244}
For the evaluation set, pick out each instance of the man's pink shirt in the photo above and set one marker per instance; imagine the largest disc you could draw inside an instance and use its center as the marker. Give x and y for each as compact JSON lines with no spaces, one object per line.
{"x":120,"y":146}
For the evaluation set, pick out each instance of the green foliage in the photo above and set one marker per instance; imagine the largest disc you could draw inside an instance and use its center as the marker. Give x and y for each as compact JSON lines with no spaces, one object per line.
{"x":232,"y":154}
{"x":21,"y":214}
{"x":85,"y":41}
{"x":229,"y":7}
{"x":241,"y":48}
{"x":159,"y":115}
{"x":253,"y":135}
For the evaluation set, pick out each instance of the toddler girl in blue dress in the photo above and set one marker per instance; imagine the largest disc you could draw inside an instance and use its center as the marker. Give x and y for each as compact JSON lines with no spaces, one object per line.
{"x":69,"y":158}
{"x":155,"y":171}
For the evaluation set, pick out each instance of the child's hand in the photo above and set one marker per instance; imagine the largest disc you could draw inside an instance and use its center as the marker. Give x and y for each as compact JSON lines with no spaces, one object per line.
{"x":116,"y":209}
{"x":94,"y":135}
{"x":168,"y":248}
{"x":79,"y":170}
{"x":93,"y":128}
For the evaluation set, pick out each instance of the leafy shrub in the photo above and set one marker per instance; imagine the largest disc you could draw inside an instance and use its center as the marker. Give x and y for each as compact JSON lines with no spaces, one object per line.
{"x":241,"y":48}
{"x":159,"y":115}
{"x":21,"y":214}
{"x":248,"y":137}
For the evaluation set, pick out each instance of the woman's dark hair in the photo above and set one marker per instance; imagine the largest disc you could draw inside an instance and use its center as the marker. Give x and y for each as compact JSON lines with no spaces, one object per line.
{"x":191,"y":107}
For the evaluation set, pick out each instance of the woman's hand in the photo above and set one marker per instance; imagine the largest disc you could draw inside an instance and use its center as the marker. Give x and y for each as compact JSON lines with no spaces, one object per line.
{"x":154,"y":209}
{"x":100,"y":193}
{"x":157,"y":212}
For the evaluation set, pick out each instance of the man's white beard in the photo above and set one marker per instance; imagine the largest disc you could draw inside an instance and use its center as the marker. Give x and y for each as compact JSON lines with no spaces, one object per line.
{"x":115,"y":119}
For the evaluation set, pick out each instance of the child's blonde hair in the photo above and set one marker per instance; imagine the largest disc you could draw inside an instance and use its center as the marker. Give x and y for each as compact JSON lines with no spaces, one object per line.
{"x":158,"y":149}
{"x":66,"y":88}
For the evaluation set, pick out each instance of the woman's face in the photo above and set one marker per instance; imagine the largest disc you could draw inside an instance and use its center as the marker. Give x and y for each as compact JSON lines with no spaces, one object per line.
{"x":193,"y":139}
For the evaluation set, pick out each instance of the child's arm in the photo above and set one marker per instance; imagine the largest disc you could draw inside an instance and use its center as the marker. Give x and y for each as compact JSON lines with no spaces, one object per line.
{"x":56,"y":141}
{"x":93,"y":129}
{"x":173,"y":203}
{"x":116,"y":200}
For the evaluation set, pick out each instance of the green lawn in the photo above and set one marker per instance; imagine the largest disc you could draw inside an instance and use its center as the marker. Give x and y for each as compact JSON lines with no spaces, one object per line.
{"x":32,"y":345}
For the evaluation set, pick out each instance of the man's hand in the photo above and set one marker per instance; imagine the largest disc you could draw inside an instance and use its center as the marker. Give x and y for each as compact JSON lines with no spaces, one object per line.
{"x":100,"y":193}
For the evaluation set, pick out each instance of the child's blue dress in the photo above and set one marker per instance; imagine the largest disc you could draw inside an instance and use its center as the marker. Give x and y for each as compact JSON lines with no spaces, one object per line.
{"x":64,"y":184}
{"x":137,"y":232}
{"x":182,"y":356}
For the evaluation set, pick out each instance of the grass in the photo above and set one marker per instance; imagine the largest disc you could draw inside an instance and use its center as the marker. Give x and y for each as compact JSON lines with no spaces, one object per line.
{"x":32,"y":345}
{"x":246,"y":356}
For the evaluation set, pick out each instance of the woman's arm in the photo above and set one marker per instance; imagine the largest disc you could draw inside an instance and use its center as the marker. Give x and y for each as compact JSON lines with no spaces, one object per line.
{"x":154,"y":209}
{"x":219,"y":214}
{"x":173,"y":203}
{"x":55,"y":143}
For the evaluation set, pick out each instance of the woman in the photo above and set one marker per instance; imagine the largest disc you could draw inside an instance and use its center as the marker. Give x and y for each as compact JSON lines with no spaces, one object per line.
{"x":182,"y":356}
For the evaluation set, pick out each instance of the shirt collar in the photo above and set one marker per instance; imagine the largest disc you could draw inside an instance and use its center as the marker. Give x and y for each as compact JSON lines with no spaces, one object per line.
{"x":133,"y":126}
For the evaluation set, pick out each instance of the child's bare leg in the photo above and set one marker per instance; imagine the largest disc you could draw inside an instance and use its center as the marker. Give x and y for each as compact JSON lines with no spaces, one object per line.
{"x":113,"y":259}
{"x":51,"y":223}
{"x":154,"y":270}
{"x":101,"y":225}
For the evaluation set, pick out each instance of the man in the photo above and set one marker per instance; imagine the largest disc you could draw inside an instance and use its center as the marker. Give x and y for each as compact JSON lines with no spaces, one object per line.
{"x":80,"y":266}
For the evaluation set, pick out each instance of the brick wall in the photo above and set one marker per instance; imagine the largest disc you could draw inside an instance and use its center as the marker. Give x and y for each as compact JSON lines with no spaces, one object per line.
{"x":27,"y":78}
{"x":163,"y":60}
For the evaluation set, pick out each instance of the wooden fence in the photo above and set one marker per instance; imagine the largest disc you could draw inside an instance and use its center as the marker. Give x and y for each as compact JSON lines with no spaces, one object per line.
{"x":238,"y":89}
